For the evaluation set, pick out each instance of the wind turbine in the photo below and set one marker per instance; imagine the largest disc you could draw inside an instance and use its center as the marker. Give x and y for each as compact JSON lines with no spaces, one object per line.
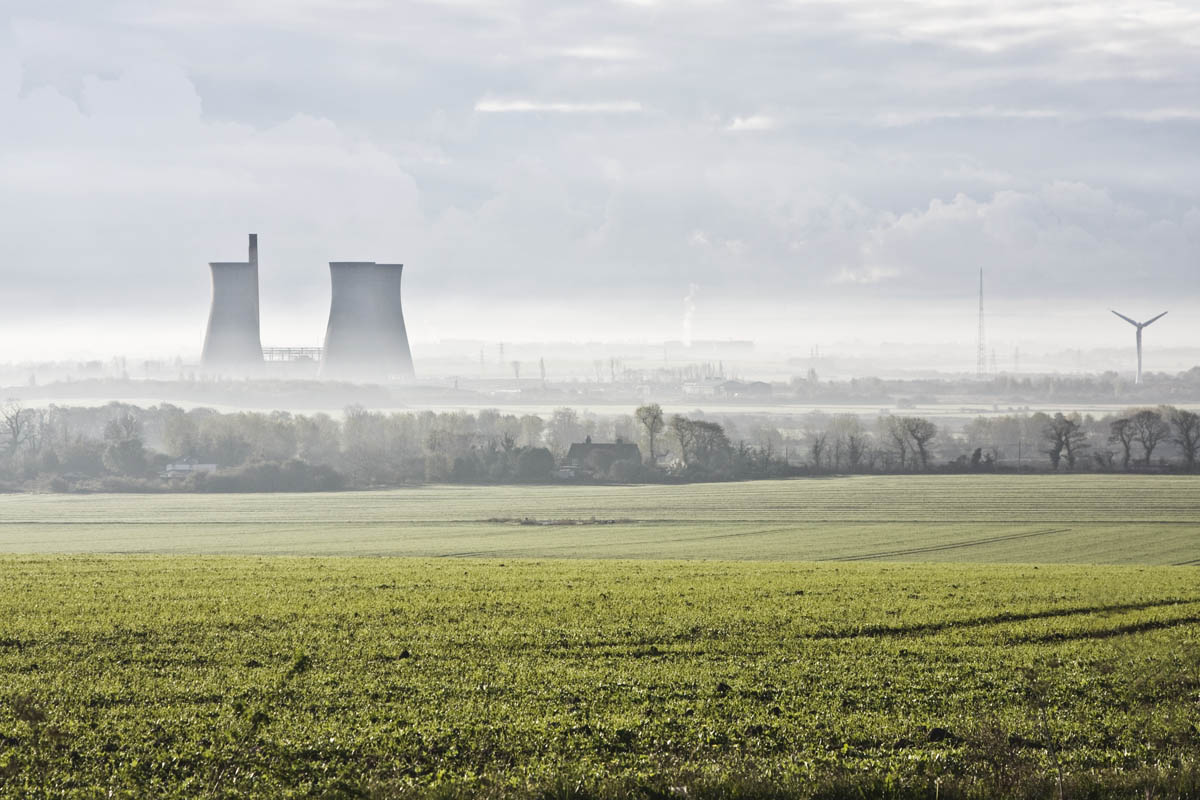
{"x":1139,"y":326}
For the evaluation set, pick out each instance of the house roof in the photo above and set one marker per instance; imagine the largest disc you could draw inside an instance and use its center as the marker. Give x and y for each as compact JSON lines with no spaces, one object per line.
{"x":613,"y":451}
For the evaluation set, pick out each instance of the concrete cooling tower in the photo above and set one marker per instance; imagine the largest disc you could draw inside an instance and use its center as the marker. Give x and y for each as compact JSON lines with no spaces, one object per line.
{"x":366,"y":339}
{"x":232,"y":343}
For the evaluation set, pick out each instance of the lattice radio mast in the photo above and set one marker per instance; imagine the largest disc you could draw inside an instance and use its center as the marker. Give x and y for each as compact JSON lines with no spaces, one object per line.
{"x":981,"y":352}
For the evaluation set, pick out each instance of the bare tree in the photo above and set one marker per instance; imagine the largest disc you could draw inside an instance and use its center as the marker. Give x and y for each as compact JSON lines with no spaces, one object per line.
{"x":1149,"y":429}
{"x":685,"y":433}
{"x":922,"y":432}
{"x":711,"y":444}
{"x":857,"y":445}
{"x":650,"y":417}
{"x":851,"y":441}
{"x":898,"y":437}
{"x":1121,"y":432}
{"x":563,"y":429}
{"x":1064,"y":437}
{"x":816,"y":447}
{"x":21,"y":428}
{"x":1187,"y":434}
{"x":13,"y":417}
{"x":1076,"y":441}
{"x":1074,"y":437}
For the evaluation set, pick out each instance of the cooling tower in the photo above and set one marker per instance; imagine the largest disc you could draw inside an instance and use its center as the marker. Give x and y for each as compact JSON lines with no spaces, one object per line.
{"x":366,"y":339}
{"x":232,"y":343}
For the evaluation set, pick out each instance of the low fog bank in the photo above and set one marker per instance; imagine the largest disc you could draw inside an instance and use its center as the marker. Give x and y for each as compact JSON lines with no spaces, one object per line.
{"x":885,"y":333}
{"x":527,"y":368}
{"x":733,"y":375}
{"x":123,"y":447}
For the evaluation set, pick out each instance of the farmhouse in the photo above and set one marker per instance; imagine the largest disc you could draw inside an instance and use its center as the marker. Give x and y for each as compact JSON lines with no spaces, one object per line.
{"x":588,"y":457}
{"x":184,"y":468}
{"x":755,"y":389}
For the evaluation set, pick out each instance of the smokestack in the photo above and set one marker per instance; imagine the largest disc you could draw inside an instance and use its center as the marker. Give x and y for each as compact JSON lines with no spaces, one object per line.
{"x":366,"y":337}
{"x":232,"y":343}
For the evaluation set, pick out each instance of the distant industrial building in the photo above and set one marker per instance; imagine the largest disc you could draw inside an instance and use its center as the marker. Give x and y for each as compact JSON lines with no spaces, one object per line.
{"x":366,"y":338}
{"x":593,"y":458}
{"x":743,"y":389}
{"x":185,"y":468}
{"x":232,"y":343}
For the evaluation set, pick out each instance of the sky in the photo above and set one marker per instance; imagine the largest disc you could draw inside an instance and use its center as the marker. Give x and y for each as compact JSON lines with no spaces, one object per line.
{"x":792,"y":172}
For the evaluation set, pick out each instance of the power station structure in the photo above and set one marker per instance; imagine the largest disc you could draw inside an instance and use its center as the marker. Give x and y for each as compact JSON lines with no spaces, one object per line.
{"x":981,"y":342}
{"x":232,"y":343}
{"x":1139,"y":326}
{"x":366,"y":338}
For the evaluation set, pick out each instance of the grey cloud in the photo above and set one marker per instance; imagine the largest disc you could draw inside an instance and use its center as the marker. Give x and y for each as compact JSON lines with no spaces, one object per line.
{"x":838,"y":150}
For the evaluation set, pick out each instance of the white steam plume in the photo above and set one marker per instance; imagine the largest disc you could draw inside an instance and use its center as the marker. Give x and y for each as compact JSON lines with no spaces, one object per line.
{"x":689,"y":310}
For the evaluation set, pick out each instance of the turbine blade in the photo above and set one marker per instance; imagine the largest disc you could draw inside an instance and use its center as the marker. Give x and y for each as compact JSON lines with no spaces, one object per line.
{"x":1160,"y":316}
{"x":1122,"y":316}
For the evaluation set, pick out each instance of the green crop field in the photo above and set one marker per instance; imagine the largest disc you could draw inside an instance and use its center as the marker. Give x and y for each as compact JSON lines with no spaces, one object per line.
{"x":1030,"y":518}
{"x":185,"y":677}
{"x":183,"y":646}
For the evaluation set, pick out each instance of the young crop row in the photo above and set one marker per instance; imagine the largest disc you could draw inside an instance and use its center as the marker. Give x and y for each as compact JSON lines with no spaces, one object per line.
{"x":252,"y":677}
{"x":1064,"y":519}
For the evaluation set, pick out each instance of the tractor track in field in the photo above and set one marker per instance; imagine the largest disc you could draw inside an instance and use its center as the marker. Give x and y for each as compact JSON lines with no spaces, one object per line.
{"x":1003,"y":618}
{"x":911,"y":551}
{"x":576,"y":545}
{"x":982,"y":518}
{"x":1129,"y":629}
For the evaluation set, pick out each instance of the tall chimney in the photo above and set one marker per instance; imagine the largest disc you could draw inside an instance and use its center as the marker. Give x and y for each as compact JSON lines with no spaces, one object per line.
{"x":232,"y":343}
{"x":366,"y":337}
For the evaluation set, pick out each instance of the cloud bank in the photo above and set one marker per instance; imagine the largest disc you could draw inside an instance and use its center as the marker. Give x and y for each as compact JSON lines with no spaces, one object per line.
{"x":803,"y":154}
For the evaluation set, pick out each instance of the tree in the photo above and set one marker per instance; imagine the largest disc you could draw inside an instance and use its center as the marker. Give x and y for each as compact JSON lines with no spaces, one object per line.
{"x":1053,"y":436}
{"x":898,"y":437}
{"x":1121,"y":432}
{"x":922,"y":432}
{"x":564,"y":429}
{"x":1187,"y":434}
{"x":1149,"y":428}
{"x":851,"y":441}
{"x":1064,"y":436}
{"x":685,"y":433}
{"x":126,"y":457}
{"x":650,"y":417}
{"x":318,"y":439}
{"x":535,"y":464}
{"x":531,"y":430}
{"x":767,"y":439}
{"x":712,"y":446}
{"x":702,"y":444}
{"x":626,"y":471}
{"x":15,"y":426}
{"x":124,"y":453}
{"x":816,"y":447}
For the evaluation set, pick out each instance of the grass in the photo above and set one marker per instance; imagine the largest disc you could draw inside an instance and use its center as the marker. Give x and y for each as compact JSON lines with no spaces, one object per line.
{"x":192,"y":661}
{"x":1117,"y":519}
{"x":149,"y":676}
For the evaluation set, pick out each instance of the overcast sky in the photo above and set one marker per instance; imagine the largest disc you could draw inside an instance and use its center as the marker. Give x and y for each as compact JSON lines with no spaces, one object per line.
{"x":554,"y":170}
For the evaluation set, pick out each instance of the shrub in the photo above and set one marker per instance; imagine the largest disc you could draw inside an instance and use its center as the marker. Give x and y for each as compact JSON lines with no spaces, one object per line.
{"x":293,"y":475}
{"x":626,"y":471}
{"x":535,"y":464}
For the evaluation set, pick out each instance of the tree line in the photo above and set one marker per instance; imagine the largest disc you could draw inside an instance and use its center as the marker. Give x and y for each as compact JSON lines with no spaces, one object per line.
{"x":1162,"y":438}
{"x":124,"y":447}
